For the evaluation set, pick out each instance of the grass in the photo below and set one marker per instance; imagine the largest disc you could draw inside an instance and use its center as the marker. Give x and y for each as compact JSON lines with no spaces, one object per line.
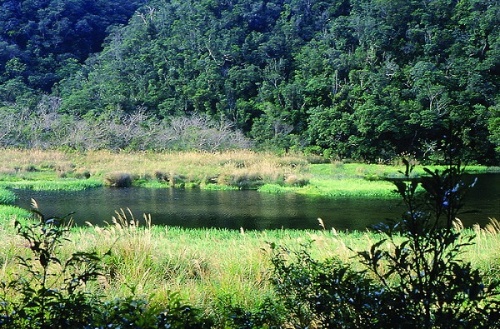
{"x":208,"y":265}
{"x":234,"y":169}
{"x":9,"y":212}
{"x":336,"y":188}
{"x":7,"y":197}
{"x":57,"y":170}
{"x":53,"y":185}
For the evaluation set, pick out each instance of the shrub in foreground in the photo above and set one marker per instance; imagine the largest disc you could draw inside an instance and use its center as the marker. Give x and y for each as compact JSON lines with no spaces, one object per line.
{"x":414,"y":277}
{"x":50,"y":292}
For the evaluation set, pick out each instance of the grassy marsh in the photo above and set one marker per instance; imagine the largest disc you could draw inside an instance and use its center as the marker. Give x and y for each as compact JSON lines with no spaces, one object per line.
{"x":57,"y":170}
{"x":209,"y":265}
{"x":237,"y":169}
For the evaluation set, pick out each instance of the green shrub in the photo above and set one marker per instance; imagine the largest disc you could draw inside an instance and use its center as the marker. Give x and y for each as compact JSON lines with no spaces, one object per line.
{"x":131,"y":312}
{"x":118,"y":179}
{"x":270,"y":314}
{"x":429,"y":284}
{"x":51,"y":290}
{"x":323,"y":294}
{"x":414,"y":276}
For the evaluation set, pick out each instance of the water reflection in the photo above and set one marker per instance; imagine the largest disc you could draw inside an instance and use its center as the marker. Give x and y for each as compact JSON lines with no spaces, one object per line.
{"x":247,"y":209}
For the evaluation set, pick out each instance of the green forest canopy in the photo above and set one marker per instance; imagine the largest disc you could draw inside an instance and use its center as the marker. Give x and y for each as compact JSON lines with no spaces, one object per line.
{"x":360,"y":79}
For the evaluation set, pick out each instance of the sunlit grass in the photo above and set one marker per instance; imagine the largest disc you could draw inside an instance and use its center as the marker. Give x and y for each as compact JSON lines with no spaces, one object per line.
{"x":54,"y":185}
{"x":56,"y":170}
{"x":8,"y":213}
{"x":208,"y":265}
{"x":349,"y":188}
{"x":336,"y":188}
{"x":7,"y":197}
{"x":240,"y":169}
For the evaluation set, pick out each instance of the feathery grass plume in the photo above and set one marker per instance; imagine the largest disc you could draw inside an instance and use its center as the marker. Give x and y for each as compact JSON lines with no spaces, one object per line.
{"x":493,"y":227}
{"x":321,"y":223}
{"x":122,"y":221}
{"x":34,"y":204}
{"x":458,"y":225}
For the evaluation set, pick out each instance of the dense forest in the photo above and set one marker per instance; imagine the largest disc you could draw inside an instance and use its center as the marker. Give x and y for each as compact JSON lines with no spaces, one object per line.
{"x":349,"y":79}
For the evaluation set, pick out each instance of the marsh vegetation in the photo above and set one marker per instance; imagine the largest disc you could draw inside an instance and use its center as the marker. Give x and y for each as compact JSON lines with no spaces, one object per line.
{"x":132,"y":272}
{"x":237,"y":169}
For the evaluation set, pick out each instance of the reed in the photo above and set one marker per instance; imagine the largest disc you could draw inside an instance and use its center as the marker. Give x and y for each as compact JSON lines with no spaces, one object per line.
{"x":242,"y":169}
{"x":207,"y":266}
{"x":239,"y":169}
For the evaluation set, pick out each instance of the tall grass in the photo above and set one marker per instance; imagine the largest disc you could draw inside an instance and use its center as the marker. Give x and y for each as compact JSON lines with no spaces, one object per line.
{"x":53,"y":185}
{"x":7,"y":213}
{"x":242,"y":169}
{"x":7,"y":197}
{"x":207,"y":265}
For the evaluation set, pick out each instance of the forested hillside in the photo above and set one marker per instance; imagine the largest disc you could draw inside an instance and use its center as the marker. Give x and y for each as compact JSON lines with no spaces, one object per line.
{"x":43,"y":41}
{"x":360,"y":79}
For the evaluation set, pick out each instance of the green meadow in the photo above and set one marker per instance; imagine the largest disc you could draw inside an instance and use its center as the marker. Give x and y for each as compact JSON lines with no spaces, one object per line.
{"x":210,"y":269}
{"x":293,"y":173}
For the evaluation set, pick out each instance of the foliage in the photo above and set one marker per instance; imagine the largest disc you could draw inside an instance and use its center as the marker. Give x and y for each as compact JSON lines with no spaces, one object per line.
{"x":43,"y":42}
{"x":430,"y":284}
{"x":131,"y":312}
{"x":494,"y":126}
{"x":52,"y":295}
{"x":414,"y":277}
{"x":51,"y":292}
{"x":270,"y":314}
{"x":323,"y":294}
{"x":360,"y":79}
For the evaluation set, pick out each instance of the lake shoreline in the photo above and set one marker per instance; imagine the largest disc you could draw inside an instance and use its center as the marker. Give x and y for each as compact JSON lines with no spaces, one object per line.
{"x":232,"y":170}
{"x":269,"y":175}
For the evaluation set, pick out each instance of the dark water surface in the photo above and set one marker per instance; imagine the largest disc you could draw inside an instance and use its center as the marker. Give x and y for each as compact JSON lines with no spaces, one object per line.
{"x":248,"y":209}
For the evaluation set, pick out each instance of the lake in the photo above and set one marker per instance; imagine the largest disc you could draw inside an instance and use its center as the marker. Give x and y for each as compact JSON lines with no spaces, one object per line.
{"x":194,"y":208}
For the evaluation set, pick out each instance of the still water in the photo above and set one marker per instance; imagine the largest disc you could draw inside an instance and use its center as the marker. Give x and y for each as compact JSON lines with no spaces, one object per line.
{"x":247,"y":209}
